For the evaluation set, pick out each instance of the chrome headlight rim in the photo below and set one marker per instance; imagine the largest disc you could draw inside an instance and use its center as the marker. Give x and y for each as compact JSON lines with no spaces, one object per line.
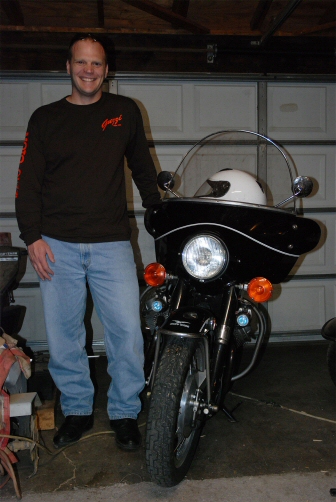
{"x":219,"y":270}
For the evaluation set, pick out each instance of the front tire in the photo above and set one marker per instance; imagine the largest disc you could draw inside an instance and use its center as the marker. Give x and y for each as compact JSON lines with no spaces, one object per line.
{"x":331,"y":359}
{"x":174,"y":426}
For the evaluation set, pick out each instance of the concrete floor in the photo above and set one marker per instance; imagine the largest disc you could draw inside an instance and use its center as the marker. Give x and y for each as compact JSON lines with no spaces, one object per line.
{"x":281,"y":449}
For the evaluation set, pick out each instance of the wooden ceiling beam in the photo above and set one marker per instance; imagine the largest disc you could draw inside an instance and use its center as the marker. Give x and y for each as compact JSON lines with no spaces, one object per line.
{"x":123,"y":27}
{"x":314,"y":29}
{"x":101,"y":14}
{"x":13,"y":11}
{"x":168,"y":15}
{"x":181,"y":7}
{"x":329,"y":14}
{"x":126,"y":28}
{"x":279,"y":20}
{"x":260,"y":14}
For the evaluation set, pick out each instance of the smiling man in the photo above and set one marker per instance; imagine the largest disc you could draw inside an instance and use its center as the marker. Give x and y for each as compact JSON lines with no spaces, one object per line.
{"x":72,"y":213}
{"x":88,"y":69}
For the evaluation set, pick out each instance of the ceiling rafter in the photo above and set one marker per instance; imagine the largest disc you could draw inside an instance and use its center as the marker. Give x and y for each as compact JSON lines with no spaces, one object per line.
{"x":126,"y":29}
{"x":101,"y":13}
{"x":168,"y":15}
{"x":13,"y":11}
{"x":260,"y":14}
{"x":329,"y":14}
{"x":181,"y":7}
{"x":279,"y":20}
{"x":315,"y":29}
{"x":58,"y":29}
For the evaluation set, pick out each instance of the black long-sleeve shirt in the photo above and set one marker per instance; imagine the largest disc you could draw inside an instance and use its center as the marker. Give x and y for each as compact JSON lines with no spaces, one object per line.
{"x":71,"y":183}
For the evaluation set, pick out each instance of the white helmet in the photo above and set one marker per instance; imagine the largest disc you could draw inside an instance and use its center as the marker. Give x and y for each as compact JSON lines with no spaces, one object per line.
{"x":233,"y":185}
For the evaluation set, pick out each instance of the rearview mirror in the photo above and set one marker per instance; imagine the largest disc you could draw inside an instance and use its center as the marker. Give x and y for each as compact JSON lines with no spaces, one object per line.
{"x":302,"y":186}
{"x":165,"y":180}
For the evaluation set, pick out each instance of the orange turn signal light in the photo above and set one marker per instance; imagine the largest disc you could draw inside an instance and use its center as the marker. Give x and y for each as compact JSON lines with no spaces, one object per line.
{"x":260,"y":289}
{"x":155,"y":274}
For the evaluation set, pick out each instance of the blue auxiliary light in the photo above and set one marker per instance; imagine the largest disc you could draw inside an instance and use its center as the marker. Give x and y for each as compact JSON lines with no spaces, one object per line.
{"x":243,"y":320}
{"x":157,"y":306}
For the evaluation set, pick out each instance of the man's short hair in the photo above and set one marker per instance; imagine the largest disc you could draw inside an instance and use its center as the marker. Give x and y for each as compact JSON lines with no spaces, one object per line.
{"x":86,"y":36}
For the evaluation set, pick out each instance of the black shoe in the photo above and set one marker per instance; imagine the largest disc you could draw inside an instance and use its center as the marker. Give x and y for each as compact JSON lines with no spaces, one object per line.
{"x":127,"y":434}
{"x":72,"y":429}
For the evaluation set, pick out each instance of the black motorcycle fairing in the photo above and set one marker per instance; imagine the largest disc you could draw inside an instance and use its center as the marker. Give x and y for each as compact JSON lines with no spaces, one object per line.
{"x":261,"y":241}
{"x":277,"y":228}
{"x":247,"y":259}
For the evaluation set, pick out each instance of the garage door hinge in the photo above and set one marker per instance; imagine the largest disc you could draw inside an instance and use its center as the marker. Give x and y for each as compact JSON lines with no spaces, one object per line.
{"x":211,"y":53}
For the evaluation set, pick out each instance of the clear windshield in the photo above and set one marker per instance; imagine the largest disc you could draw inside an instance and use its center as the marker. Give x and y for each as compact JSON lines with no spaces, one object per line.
{"x":268,"y":163}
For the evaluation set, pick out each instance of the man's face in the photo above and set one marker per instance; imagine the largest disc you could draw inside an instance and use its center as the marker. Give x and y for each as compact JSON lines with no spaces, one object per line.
{"x":88,"y":70}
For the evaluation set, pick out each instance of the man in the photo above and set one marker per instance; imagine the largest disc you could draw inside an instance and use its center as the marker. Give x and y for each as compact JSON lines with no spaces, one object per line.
{"x":72,"y":214}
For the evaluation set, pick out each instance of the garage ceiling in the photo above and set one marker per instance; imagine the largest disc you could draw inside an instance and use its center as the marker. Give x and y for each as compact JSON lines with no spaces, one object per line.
{"x":291,"y":37}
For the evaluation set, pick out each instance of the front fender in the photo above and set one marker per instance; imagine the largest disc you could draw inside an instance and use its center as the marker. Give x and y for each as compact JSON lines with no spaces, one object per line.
{"x":329,"y":330}
{"x":191,"y":322}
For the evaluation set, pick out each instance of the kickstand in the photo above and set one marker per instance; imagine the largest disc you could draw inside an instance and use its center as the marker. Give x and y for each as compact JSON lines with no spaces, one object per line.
{"x":229,"y":414}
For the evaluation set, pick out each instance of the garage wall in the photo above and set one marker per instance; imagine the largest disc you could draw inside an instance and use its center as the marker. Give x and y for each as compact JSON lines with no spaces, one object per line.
{"x":176,"y":113}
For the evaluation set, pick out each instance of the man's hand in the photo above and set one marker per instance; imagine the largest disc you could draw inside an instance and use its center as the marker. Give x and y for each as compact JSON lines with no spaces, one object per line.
{"x":38,"y":252}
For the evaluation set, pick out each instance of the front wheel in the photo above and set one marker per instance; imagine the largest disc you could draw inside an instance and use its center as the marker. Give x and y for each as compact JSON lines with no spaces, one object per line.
{"x":331,"y":359}
{"x":174,"y":419}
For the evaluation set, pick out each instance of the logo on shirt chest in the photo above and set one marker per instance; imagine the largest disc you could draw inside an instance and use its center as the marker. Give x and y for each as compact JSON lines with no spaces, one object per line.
{"x":115,"y":122}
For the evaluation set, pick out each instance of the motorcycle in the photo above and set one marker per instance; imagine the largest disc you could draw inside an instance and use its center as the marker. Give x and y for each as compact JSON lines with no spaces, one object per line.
{"x":328,"y":332}
{"x":218,"y":252}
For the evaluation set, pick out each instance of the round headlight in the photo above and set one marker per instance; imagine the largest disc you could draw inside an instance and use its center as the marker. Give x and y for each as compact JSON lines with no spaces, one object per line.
{"x":204,"y":257}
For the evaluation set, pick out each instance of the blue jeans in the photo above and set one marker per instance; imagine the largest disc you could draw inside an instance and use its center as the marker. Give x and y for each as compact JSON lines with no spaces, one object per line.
{"x":110,"y":271}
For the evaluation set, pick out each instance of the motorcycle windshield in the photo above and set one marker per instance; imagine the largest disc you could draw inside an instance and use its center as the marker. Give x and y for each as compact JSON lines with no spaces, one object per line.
{"x":227,"y":152}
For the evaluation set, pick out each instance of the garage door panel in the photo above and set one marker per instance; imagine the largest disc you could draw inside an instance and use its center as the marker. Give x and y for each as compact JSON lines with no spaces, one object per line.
{"x":225,"y":107}
{"x":302,"y":305}
{"x":161,"y":107}
{"x":317,"y":162}
{"x":305,"y":111}
{"x":9,"y":164}
{"x":20,"y":99}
